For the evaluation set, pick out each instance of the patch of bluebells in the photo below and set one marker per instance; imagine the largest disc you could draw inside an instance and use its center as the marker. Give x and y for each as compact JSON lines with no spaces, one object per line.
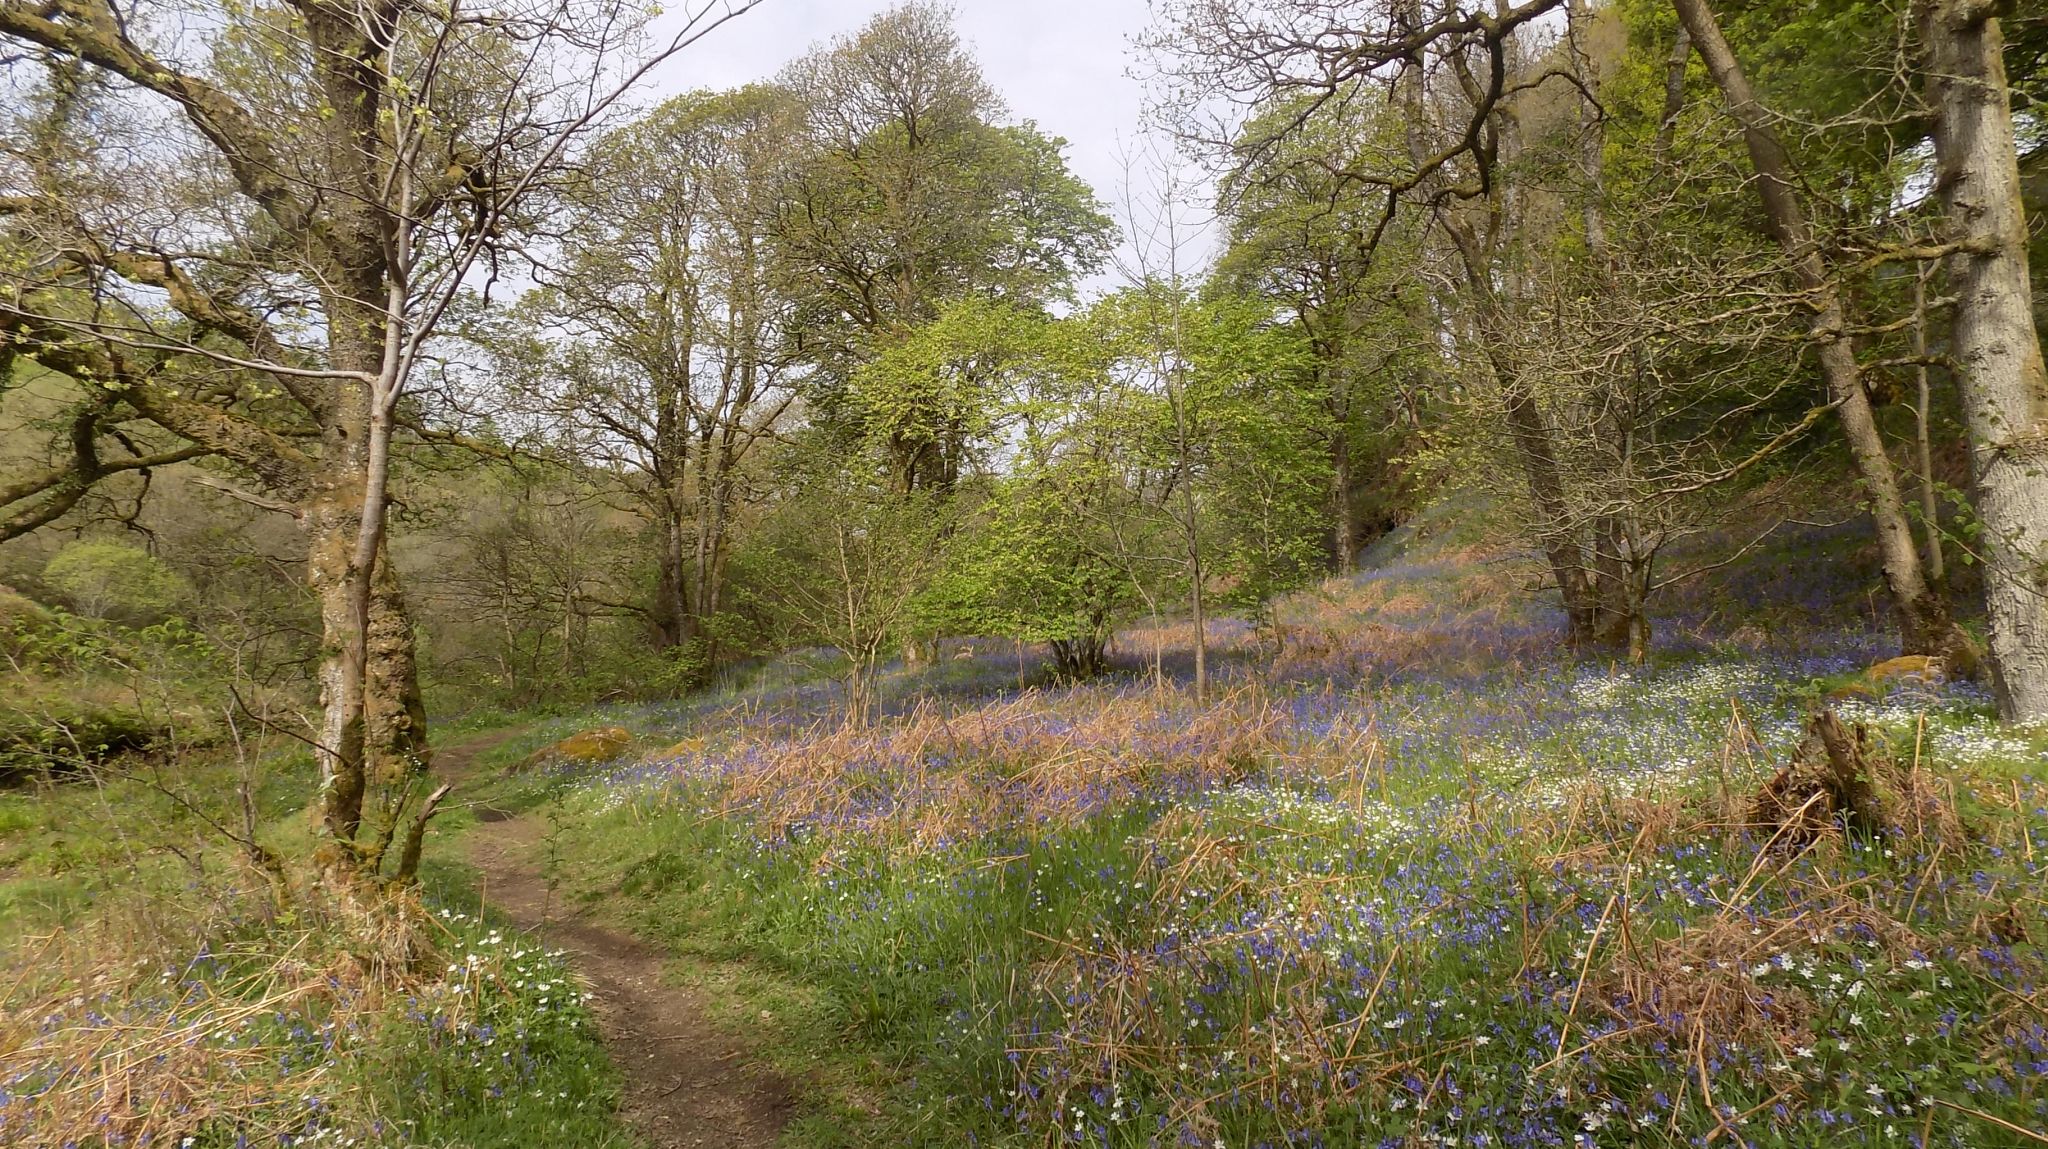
{"x":230,"y":1048}
{"x":1376,"y":905}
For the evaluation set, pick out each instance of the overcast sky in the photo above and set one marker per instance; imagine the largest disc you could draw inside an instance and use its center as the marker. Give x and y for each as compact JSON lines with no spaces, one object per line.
{"x":1061,"y":63}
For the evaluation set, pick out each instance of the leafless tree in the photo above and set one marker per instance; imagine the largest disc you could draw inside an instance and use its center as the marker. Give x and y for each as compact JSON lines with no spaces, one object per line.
{"x":665,"y":337}
{"x":1924,"y":622}
{"x":1996,"y":347}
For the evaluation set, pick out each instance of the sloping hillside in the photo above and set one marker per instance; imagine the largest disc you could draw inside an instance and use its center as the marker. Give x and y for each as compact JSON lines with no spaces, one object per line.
{"x":1413,"y":879}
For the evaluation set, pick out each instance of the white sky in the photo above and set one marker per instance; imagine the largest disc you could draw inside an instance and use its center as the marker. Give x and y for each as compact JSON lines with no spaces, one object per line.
{"x":1061,"y":63}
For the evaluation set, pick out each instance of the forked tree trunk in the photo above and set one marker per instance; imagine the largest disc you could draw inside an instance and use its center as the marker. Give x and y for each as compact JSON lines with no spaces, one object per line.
{"x":1082,"y":658}
{"x":373,"y":732}
{"x":1621,"y":588}
{"x":1561,"y":549}
{"x":379,"y":744}
{"x":333,"y":522}
{"x":354,"y":247}
{"x":1995,"y":345}
{"x":1924,"y":623}
{"x":714,"y":503}
{"x":860,"y":690}
{"x":672,"y":613}
{"x":1621,"y":621}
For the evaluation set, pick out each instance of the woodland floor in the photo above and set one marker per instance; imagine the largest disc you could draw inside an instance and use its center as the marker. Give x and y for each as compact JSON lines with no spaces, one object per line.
{"x":688,"y":1084}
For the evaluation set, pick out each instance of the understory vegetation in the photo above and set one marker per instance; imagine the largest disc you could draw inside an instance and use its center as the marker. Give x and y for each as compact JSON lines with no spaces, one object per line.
{"x":163,"y":991}
{"x":1412,"y":882}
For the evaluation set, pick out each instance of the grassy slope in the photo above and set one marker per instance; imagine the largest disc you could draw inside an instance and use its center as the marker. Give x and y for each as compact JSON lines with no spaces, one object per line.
{"x":1412,"y":882}
{"x":219,"y":1020}
{"x":1417,"y":883}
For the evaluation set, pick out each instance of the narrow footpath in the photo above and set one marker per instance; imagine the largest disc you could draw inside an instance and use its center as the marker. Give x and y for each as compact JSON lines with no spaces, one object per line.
{"x":687,"y":1085}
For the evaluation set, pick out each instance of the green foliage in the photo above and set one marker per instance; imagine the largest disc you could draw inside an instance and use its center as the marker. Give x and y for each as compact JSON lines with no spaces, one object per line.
{"x":1052,"y":551}
{"x":528,"y":581}
{"x":1828,"y":74}
{"x":911,"y":194}
{"x":1153,"y":407}
{"x":75,"y":844}
{"x":21,"y":620}
{"x":842,"y":562}
{"x":1254,"y":395}
{"x":56,"y":730}
{"x":1233,"y":431}
{"x":1044,"y":564}
{"x":937,"y":399}
{"x":80,"y":690}
{"x":116,"y":581}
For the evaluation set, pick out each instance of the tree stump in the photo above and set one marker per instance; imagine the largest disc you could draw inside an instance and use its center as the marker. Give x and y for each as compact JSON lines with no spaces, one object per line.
{"x":1832,"y":773}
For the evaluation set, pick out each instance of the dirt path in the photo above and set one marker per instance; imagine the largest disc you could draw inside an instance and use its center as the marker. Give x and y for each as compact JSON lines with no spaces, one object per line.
{"x":688,"y":1086}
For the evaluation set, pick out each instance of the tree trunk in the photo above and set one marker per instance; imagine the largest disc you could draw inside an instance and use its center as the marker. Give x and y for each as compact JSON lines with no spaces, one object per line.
{"x":396,"y":758}
{"x":1199,"y":608}
{"x":1531,"y":434}
{"x":1924,"y":623}
{"x":373,"y":728}
{"x":1621,"y":622}
{"x":1923,"y":438}
{"x":354,"y":249}
{"x":1082,"y":658}
{"x":331,"y":524}
{"x":708,"y":561}
{"x":672,"y":614}
{"x":1995,"y":345}
{"x":1674,"y":90}
{"x":860,"y":690}
{"x":1626,"y":587}
{"x":1344,"y":519}
{"x":668,"y":469}
{"x":372,"y":738}
{"x":395,"y":749}
{"x":1191,"y":529}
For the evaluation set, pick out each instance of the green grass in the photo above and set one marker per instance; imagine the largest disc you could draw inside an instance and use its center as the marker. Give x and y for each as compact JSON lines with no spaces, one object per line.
{"x":497,"y":1050}
{"x":525,"y":1067}
{"x":1499,"y":898}
{"x":854,"y":979}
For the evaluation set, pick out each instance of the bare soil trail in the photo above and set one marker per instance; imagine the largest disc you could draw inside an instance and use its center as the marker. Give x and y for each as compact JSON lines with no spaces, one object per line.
{"x":688,"y":1084}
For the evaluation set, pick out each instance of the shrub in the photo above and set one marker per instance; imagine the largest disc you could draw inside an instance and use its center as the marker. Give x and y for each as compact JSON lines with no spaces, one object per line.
{"x":20,"y":619}
{"x":118,"y":582}
{"x":57,"y":729}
